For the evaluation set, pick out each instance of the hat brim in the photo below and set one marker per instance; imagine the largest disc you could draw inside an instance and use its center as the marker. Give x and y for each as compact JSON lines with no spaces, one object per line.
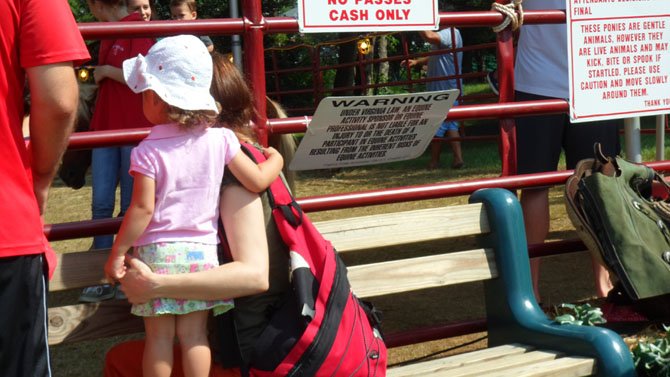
{"x":139,"y":79}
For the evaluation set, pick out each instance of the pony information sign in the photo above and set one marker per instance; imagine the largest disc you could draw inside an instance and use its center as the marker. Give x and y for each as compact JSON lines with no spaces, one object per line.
{"x":355,"y":131}
{"x":619,"y":58}
{"x":320,"y":16}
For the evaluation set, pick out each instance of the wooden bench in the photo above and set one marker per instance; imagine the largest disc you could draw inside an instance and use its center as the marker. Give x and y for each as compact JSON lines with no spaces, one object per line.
{"x":522,"y":341}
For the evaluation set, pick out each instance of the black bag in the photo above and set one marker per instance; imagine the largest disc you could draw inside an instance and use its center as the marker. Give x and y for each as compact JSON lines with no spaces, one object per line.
{"x":620,"y":211}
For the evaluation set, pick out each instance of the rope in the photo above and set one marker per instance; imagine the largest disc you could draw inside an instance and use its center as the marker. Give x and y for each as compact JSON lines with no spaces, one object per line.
{"x":513,"y":12}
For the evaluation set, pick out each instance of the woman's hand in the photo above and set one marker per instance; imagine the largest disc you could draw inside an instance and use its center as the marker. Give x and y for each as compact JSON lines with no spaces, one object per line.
{"x":138,"y":282}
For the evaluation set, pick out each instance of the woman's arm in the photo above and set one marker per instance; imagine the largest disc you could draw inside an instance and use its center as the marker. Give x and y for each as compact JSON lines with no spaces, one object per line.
{"x":242,"y":215}
{"x":256,"y":177}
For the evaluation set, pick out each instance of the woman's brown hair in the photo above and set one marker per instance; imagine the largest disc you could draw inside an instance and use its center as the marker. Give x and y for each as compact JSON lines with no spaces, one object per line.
{"x":230,"y":89}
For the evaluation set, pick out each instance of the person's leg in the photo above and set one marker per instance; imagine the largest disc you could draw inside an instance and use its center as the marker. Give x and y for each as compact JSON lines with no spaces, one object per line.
{"x":192,"y":335}
{"x":157,"y":358}
{"x":104,"y":171}
{"x":125,"y":360}
{"x":452,"y":132}
{"x":535,"y":208}
{"x":125,"y":179}
{"x":538,"y":150}
{"x":436,"y":147}
{"x":435,"y":150}
{"x":578,"y":145}
{"x":24,"y":349}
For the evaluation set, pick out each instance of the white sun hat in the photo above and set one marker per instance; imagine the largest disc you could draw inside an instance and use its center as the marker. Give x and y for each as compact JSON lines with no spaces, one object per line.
{"x":178,"y":69}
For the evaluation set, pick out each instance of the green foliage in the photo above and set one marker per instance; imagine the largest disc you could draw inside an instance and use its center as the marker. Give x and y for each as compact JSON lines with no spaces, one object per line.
{"x":583,"y":314}
{"x":80,"y":11}
{"x":652,"y":355}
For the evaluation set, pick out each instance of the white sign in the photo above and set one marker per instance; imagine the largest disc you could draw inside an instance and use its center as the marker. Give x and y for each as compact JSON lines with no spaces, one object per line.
{"x":619,"y":59}
{"x":320,"y":16}
{"x":355,"y":131}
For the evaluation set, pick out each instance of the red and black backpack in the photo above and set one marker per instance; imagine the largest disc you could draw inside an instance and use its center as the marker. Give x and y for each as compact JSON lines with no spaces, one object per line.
{"x":324,"y":330}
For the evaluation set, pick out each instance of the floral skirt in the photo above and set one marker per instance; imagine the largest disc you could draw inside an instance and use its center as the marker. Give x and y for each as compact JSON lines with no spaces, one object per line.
{"x":178,"y":258}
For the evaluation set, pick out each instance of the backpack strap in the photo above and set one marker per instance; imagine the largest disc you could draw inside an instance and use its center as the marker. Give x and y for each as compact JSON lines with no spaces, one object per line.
{"x":279,"y":196}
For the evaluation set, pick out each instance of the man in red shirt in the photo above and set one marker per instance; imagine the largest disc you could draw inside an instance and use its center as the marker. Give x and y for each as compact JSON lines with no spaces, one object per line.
{"x":39,"y":40}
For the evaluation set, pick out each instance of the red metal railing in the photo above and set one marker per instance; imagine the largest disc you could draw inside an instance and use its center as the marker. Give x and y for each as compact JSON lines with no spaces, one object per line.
{"x":253,"y":26}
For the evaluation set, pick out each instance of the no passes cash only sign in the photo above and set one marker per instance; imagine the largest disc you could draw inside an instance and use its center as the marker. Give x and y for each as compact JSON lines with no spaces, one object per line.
{"x":321,"y":16}
{"x":355,"y":131}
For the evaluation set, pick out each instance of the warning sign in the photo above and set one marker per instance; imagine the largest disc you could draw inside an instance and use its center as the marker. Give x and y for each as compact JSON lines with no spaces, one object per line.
{"x":355,"y":131}
{"x":619,"y":60}
{"x":320,"y":16}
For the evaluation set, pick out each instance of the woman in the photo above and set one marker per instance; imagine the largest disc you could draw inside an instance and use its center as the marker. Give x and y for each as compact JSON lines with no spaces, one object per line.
{"x":256,"y":278}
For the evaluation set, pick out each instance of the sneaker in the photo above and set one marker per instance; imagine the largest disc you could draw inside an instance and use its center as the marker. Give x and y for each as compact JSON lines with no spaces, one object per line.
{"x":119,"y":294}
{"x":493,"y":82}
{"x":98,"y":293}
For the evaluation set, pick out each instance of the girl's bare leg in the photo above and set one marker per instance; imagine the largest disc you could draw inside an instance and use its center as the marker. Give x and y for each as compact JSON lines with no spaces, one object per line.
{"x":157,"y":359}
{"x":192,"y":335}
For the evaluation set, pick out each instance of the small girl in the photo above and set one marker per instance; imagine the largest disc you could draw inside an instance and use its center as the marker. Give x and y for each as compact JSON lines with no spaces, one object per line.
{"x":172,"y":218}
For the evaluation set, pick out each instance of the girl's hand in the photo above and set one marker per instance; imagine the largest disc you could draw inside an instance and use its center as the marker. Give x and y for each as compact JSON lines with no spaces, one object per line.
{"x":115,"y":268}
{"x":269,"y":151}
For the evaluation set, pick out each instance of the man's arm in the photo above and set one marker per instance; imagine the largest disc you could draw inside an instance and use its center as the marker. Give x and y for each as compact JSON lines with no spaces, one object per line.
{"x":431,"y":37}
{"x":54,"y":95}
{"x":242,"y":215}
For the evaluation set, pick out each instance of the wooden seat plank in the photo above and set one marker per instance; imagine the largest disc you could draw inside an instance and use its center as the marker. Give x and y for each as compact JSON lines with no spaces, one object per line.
{"x":423,"y":272}
{"x":476,"y":369}
{"x":405,"y":227}
{"x":561,"y":367}
{"x":79,"y":322}
{"x":80,"y":269}
{"x":459,"y":360}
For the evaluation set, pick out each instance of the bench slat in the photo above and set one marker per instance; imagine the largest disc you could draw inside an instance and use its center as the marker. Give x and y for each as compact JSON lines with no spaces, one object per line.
{"x":403,"y":275}
{"x":459,"y":360}
{"x":561,"y":367}
{"x":83,"y":269}
{"x":507,"y":360}
{"x":472,"y":364}
{"x":399,"y":228}
{"x":75,"y":323}
{"x":77,"y":270}
{"x":500,"y":366}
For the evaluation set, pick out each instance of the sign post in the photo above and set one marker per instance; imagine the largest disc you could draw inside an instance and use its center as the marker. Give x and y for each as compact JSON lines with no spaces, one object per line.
{"x":355,"y":131}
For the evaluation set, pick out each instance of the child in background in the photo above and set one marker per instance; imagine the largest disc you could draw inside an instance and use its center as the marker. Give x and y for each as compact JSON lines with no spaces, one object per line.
{"x":143,"y":7}
{"x":116,"y":107}
{"x":172,"y":219}
{"x":188,"y":10}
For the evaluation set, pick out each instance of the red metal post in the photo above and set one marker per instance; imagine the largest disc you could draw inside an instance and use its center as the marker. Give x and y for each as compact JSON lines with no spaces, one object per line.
{"x":317,"y":79}
{"x":276,"y":75}
{"x":254,"y":63}
{"x":505,"y":55}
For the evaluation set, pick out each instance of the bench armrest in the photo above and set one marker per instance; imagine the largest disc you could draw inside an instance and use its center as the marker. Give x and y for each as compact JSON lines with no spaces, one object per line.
{"x":513,"y":315}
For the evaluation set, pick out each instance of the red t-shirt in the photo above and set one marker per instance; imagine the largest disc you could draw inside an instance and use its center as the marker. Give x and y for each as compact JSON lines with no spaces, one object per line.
{"x":117,"y":107}
{"x":32,"y":33}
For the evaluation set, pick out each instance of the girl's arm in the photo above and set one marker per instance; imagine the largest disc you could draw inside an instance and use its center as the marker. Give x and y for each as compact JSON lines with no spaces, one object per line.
{"x":247,"y":274}
{"x":102,"y":72}
{"x":256,"y":177}
{"x":137,"y":218}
